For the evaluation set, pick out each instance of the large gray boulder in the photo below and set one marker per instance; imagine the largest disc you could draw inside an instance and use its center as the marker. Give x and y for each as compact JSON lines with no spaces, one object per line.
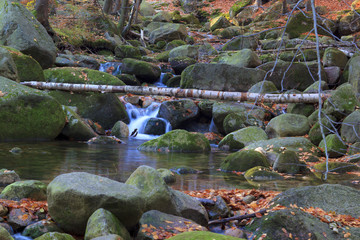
{"x":350,"y":128}
{"x":73,"y":197}
{"x":241,"y":42}
{"x":70,"y":60}
{"x":7,"y":65}
{"x":20,"y":29}
{"x":158,"y":196}
{"x":178,"y":111}
{"x":243,"y":58}
{"x":244,"y":160}
{"x":288,"y":125}
{"x":353,"y":73}
{"x":168,"y":32}
{"x":144,"y":71}
{"x":349,"y":24}
{"x":28,"y":114}
{"x":220,"y":77}
{"x":334,"y":57}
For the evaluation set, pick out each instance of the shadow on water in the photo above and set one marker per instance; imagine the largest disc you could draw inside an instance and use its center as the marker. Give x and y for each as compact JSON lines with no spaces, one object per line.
{"x":44,"y":161}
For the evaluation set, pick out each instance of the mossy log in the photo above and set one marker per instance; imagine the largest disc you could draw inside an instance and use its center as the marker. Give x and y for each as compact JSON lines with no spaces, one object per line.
{"x":183,"y":93}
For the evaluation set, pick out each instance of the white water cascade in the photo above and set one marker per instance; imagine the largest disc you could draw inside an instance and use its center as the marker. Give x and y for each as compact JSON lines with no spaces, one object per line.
{"x":140,"y":116}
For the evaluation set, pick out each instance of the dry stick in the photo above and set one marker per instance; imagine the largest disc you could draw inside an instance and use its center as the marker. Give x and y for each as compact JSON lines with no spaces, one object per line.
{"x":183,"y":93}
{"x":241,"y":217}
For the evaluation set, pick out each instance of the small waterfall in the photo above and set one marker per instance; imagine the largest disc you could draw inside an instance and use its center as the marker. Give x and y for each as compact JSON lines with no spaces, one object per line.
{"x":113,"y":68}
{"x":160,"y":83}
{"x":140,"y":116}
{"x":18,"y":236}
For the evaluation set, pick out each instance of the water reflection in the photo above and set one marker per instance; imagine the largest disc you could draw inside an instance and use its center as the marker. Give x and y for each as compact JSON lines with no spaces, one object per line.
{"x":44,"y":161}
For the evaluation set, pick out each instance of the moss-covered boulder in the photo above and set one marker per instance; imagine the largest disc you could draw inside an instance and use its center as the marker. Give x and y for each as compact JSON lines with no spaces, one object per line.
{"x":162,"y":16}
{"x":173,"y":44}
{"x":263,"y":87}
{"x":120,"y":130}
{"x":158,"y":196}
{"x":4,"y":234}
{"x":221,"y":110}
{"x":168,"y":32}
{"x":220,"y":77}
{"x":73,"y":197}
{"x":260,"y":173}
{"x":167,"y":175}
{"x":76,"y":128}
{"x":127,"y":51}
{"x":336,"y":167}
{"x":104,"y":109}
{"x":334,"y":57}
{"x":243,"y":58}
{"x":177,"y":141}
{"x":350,"y":128}
{"x":230,"y":32}
{"x":33,"y":189}
{"x":234,"y":122}
{"x":55,"y":236}
{"x":178,"y":112}
{"x":288,"y":75}
{"x":178,"y":64}
{"x":329,"y":197}
{"x":244,"y":160}
{"x":7,"y":177}
{"x":349,"y":23}
{"x":298,"y":144}
{"x":335,"y":146}
{"x":28,"y":114}
{"x":27,"y":34}
{"x":241,"y":42}
{"x":102,"y":222}
{"x":288,"y":162}
{"x":189,"y":51}
{"x":352,"y":72}
{"x":243,"y":137}
{"x":146,"y":9}
{"x":288,"y":125}
{"x":39,"y":228}
{"x":76,"y":60}
{"x":301,"y":109}
{"x":238,"y":7}
{"x":202,"y":235}
{"x":315,"y":134}
{"x":219,"y":22}
{"x":144,"y":71}
{"x":155,"y":126}
{"x":296,"y":222}
{"x":81,"y":76}
{"x":8,"y":67}
{"x":169,"y":223}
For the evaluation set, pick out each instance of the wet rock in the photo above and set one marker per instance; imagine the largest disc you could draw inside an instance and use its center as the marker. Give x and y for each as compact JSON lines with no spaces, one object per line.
{"x":19,"y":219}
{"x":8,"y":67}
{"x":8,"y":176}
{"x":335,"y":146}
{"x":288,"y":125}
{"x":76,"y":128}
{"x":120,"y":130}
{"x":28,"y":114}
{"x":69,"y":60}
{"x":4,"y":234}
{"x":244,"y":160}
{"x":174,"y":82}
{"x":184,"y":170}
{"x":241,"y":138}
{"x":158,"y":196}
{"x":39,"y":228}
{"x":27,"y":34}
{"x":73,"y":197}
{"x":144,"y":71}
{"x":33,"y":189}
{"x":16,"y":150}
{"x":288,"y":162}
{"x":220,"y":77}
{"x":219,"y":210}
{"x":55,"y":236}
{"x":104,"y":140}
{"x":167,"y":175}
{"x":177,"y":112}
{"x":103,"y":222}
{"x":260,"y":173}
{"x":168,"y":222}
{"x":180,"y":63}
{"x":337,"y":167}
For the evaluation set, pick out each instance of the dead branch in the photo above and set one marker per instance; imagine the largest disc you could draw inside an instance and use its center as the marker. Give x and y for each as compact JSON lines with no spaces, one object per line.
{"x":241,"y":217}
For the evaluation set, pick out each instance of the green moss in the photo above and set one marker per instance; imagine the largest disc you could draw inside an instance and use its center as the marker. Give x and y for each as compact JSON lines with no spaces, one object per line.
{"x":33,"y":189}
{"x":201,"y":235}
{"x":335,"y":146}
{"x":55,"y":236}
{"x":126,"y":51}
{"x":80,"y":75}
{"x":238,"y":6}
{"x":163,"y":56}
{"x":177,"y":141}
{"x":337,"y":167}
{"x":244,"y":160}
{"x":260,"y":173}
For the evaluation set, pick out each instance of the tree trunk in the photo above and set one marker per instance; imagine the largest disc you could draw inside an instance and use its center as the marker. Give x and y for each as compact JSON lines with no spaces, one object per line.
{"x":258,"y":3}
{"x":284,"y":7}
{"x":107,"y":8}
{"x":123,"y":15}
{"x":42,"y":13}
{"x":183,"y":93}
{"x":308,"y":5}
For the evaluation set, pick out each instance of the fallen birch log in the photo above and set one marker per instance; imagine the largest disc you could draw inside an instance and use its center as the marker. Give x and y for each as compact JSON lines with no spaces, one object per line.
{"x":183,"y":93}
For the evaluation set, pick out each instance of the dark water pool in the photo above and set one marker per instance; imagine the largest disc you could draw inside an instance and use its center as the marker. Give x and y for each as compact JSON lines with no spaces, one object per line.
{"x":45,"y":160}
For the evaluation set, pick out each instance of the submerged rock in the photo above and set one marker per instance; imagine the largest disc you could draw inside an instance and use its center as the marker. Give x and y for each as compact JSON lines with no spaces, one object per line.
{"x":177,"y":141}
{"x":260,"y":173}
{"x":104,"y":140}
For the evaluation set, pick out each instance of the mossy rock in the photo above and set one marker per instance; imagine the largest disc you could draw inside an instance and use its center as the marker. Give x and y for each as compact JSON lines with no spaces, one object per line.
{"x":219,"y":22}
{"x":28,"y":114}
{"x":238,"y":7}
{"x":167,"y":175}
{"x":128,"y":79}
{"x":4,"y":234}
{"x":315,"y":135}
{"x":244,"y":160}
{"x":39,"y":228}
{"x":230,"y":32}
{"x":103,"y":222}
{"x":314,"y":88}
{"x":55,"y":236}
{"x":243,"y":137}
{"x":174,"y":43}
{"x":174,"y":82}
{"x":184,"y":170}
{"x":163,"y":56}
{"x":243,"y":58}
{"x":288,"y":125}
{"x":336,"y":167}
{"x":202,"y":235}
{"x":260,"y":173}
{"x":263,"y":87}
{"x":144,"y":71}
{"x":177,"y":141}
{"x":102,"y":108}
{"x":241,"y":42}
{"x":334,"y":57}
{"x":32,"y":189}
{"x":335,"y":146}
{"x":127,"y":51}
{"x":288,"y":162}
{"x":350,"y":128}
{"x":80,"y":76}
{"x":120,"y":130}
{"x":28,"y":68}
{"x":301,"y":109}
{"x":8,"y":67}
{"x":354,"y":149}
